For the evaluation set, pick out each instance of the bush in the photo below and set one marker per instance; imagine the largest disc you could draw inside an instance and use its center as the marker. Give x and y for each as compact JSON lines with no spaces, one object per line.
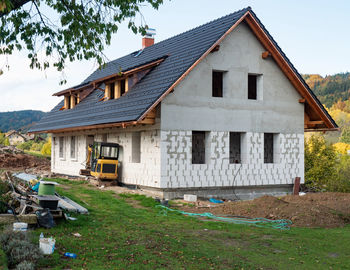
{"x":3,"y":260}
{"x":19,"y":249}
{"x":26,"y":145}
{"x":46,"y":149}
{"x":25,"y":266}
{"x":320,"y":163}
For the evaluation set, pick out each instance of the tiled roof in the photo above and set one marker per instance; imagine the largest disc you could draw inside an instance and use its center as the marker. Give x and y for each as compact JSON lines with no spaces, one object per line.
{"x":183,"y":51}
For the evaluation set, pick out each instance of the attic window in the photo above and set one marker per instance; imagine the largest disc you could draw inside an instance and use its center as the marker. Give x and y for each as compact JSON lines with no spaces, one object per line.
{"x":217,"y":83}
{"x":255,"y":86}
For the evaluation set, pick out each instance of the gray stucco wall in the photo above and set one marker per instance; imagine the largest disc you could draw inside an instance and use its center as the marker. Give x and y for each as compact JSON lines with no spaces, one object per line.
{"x":191,"y":107}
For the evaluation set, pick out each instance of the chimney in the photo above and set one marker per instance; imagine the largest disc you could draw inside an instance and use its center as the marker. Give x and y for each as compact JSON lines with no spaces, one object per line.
{"x":148,"y":39}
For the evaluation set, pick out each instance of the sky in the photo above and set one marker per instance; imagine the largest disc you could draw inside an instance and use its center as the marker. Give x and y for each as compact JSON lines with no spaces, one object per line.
{"x":314,"y":34}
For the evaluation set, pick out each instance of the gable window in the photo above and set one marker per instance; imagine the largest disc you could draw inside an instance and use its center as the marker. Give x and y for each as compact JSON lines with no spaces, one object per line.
{"x":268,"y":148}
{"x":136,"y":147}
{"x":255,"y":86}
{"x":61,"y":147}
{"x":235,"y":147}
{"x":217,"y":83}
{"x":72,"y":147}
{"x":200,"y":147}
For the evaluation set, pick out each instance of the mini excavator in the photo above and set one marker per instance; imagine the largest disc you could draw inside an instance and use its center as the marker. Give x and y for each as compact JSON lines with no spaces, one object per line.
{"x":102,"y":161}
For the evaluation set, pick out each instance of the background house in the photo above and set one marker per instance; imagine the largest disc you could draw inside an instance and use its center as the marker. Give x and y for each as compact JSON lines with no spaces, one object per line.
{"x":218,"y":110}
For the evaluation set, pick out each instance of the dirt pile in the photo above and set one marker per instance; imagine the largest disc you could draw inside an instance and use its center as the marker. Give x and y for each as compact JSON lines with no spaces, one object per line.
{"x":14,"y":159}
{"x":312,"y":210}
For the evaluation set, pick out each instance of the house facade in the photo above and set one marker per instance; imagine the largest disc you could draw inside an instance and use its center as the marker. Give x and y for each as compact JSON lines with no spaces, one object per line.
{"x":15,"y":137}
{"x":223,"y":114}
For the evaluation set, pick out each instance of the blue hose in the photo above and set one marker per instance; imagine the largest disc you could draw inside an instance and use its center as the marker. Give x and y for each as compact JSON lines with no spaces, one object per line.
{"x":282,"y":224}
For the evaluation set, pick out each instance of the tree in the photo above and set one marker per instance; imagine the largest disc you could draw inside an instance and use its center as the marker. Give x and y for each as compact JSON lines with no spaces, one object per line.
{"x":345,"y":135}
{"x":320,"y":163}
{"x":82,"y":29}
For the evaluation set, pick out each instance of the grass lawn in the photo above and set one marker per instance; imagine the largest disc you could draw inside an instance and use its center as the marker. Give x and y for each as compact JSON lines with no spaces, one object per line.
{"x":37,"y":154}
{"x":128,"y":232}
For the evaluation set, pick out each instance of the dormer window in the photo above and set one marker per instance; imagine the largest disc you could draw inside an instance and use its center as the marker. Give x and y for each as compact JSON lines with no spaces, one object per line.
{"x":116,"y":89}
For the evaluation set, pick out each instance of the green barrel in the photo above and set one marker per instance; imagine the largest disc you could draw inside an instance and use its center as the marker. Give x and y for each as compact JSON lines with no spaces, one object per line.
{"x":46,"y":189}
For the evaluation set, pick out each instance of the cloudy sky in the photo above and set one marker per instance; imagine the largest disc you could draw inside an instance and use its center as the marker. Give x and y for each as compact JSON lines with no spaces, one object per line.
{"x":313,"y":34}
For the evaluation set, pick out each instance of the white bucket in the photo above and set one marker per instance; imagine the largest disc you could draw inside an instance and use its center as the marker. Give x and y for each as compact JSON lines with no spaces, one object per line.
{"x":47,"y":245}
{"x":20,"y":226}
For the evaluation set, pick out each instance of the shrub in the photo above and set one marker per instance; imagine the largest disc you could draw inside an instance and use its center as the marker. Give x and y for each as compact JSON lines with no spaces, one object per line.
{"x":320,"y":163}
{"x":25,"y":266}
{"x":19,"y":249}
{"x":46,"y":149}
{"x":341,"y":148}
{"x":25,"y":146}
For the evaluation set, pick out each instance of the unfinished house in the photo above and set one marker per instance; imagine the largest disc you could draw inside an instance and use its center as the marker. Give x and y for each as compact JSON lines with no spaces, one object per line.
{"x":215,"y":111}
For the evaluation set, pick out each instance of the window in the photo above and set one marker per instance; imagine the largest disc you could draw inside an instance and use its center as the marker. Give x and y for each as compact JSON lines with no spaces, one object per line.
{"x":122,"y":87}
{"x":200,"y":147}
{"x":235,"y":147}
{"x":111,"y":89}
{"x":255,"y":86}
{"x":72,"y":147}
{"x":268,"y":148}
{"x":252,"y":86}
{"x":136,"y":147}
{"x":217,"y":79}
{"x":61,"y":147}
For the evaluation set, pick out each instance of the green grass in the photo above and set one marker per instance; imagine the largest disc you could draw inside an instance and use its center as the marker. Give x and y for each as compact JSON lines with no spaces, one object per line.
{"x":128,"y":232}
{"x":37,"y":154}
{"x":3,"y":260}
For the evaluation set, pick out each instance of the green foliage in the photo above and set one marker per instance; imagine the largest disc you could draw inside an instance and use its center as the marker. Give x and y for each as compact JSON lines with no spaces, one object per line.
{"x":342,"y":182}
{"x":67,"y":30}
{"x":3,"y":260}
{"x":19,"y":120}
{"x":26,"y":145}
{"x":345,"y":135}
{"x":46,"y":149}
{"x":320,"y":163}
{"x":331,"y":88}
{"x":19,"y":248}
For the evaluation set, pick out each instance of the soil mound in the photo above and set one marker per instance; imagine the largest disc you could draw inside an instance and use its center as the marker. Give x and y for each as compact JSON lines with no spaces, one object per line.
{"x":312,"y":210}
{"x":14,"y":159}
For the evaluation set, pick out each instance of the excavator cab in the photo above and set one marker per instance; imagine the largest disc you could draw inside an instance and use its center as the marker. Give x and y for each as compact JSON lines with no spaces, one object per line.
{"x":103,"y":160}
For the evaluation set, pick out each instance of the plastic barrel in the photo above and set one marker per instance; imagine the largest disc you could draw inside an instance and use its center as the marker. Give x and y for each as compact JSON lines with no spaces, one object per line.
{"x":46,"y":189}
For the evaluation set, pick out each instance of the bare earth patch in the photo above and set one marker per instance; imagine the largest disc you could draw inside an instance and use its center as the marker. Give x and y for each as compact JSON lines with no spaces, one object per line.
{"x":326,"y":210}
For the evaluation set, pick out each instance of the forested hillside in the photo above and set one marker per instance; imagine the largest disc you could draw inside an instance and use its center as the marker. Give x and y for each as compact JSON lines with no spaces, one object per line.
{"x":330,"y":88}
{"x":19,"y":120}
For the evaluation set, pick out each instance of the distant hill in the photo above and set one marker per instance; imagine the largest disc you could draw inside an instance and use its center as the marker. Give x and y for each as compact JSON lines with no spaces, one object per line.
{"x":330,"y":88}
{"x":19,"y":120}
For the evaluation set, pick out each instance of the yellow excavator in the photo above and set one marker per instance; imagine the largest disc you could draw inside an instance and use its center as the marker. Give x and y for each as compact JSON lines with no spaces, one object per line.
{"x":102,"y":161}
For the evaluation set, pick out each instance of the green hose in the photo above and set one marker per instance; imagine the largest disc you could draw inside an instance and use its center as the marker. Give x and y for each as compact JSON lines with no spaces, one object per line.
{"x":282,"y":224}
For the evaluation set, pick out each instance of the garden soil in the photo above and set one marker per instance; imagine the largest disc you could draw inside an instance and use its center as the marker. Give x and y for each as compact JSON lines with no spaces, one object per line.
{"x":327,"y":210}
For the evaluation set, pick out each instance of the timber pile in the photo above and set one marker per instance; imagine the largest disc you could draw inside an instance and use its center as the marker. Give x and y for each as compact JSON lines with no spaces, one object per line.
{"x":15,"y":159}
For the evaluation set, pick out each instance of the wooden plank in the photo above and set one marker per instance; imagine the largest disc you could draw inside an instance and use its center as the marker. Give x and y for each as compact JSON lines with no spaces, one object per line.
{"x":302,"y":100}
{"x":9,"y":218}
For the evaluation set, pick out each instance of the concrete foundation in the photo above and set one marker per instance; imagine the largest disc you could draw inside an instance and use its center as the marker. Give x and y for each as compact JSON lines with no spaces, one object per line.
{"x":228,"y":193}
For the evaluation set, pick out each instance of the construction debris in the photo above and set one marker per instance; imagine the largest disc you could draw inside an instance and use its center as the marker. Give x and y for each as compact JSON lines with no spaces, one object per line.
{"x":20,"y":203}
{"x":190,"y":198}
